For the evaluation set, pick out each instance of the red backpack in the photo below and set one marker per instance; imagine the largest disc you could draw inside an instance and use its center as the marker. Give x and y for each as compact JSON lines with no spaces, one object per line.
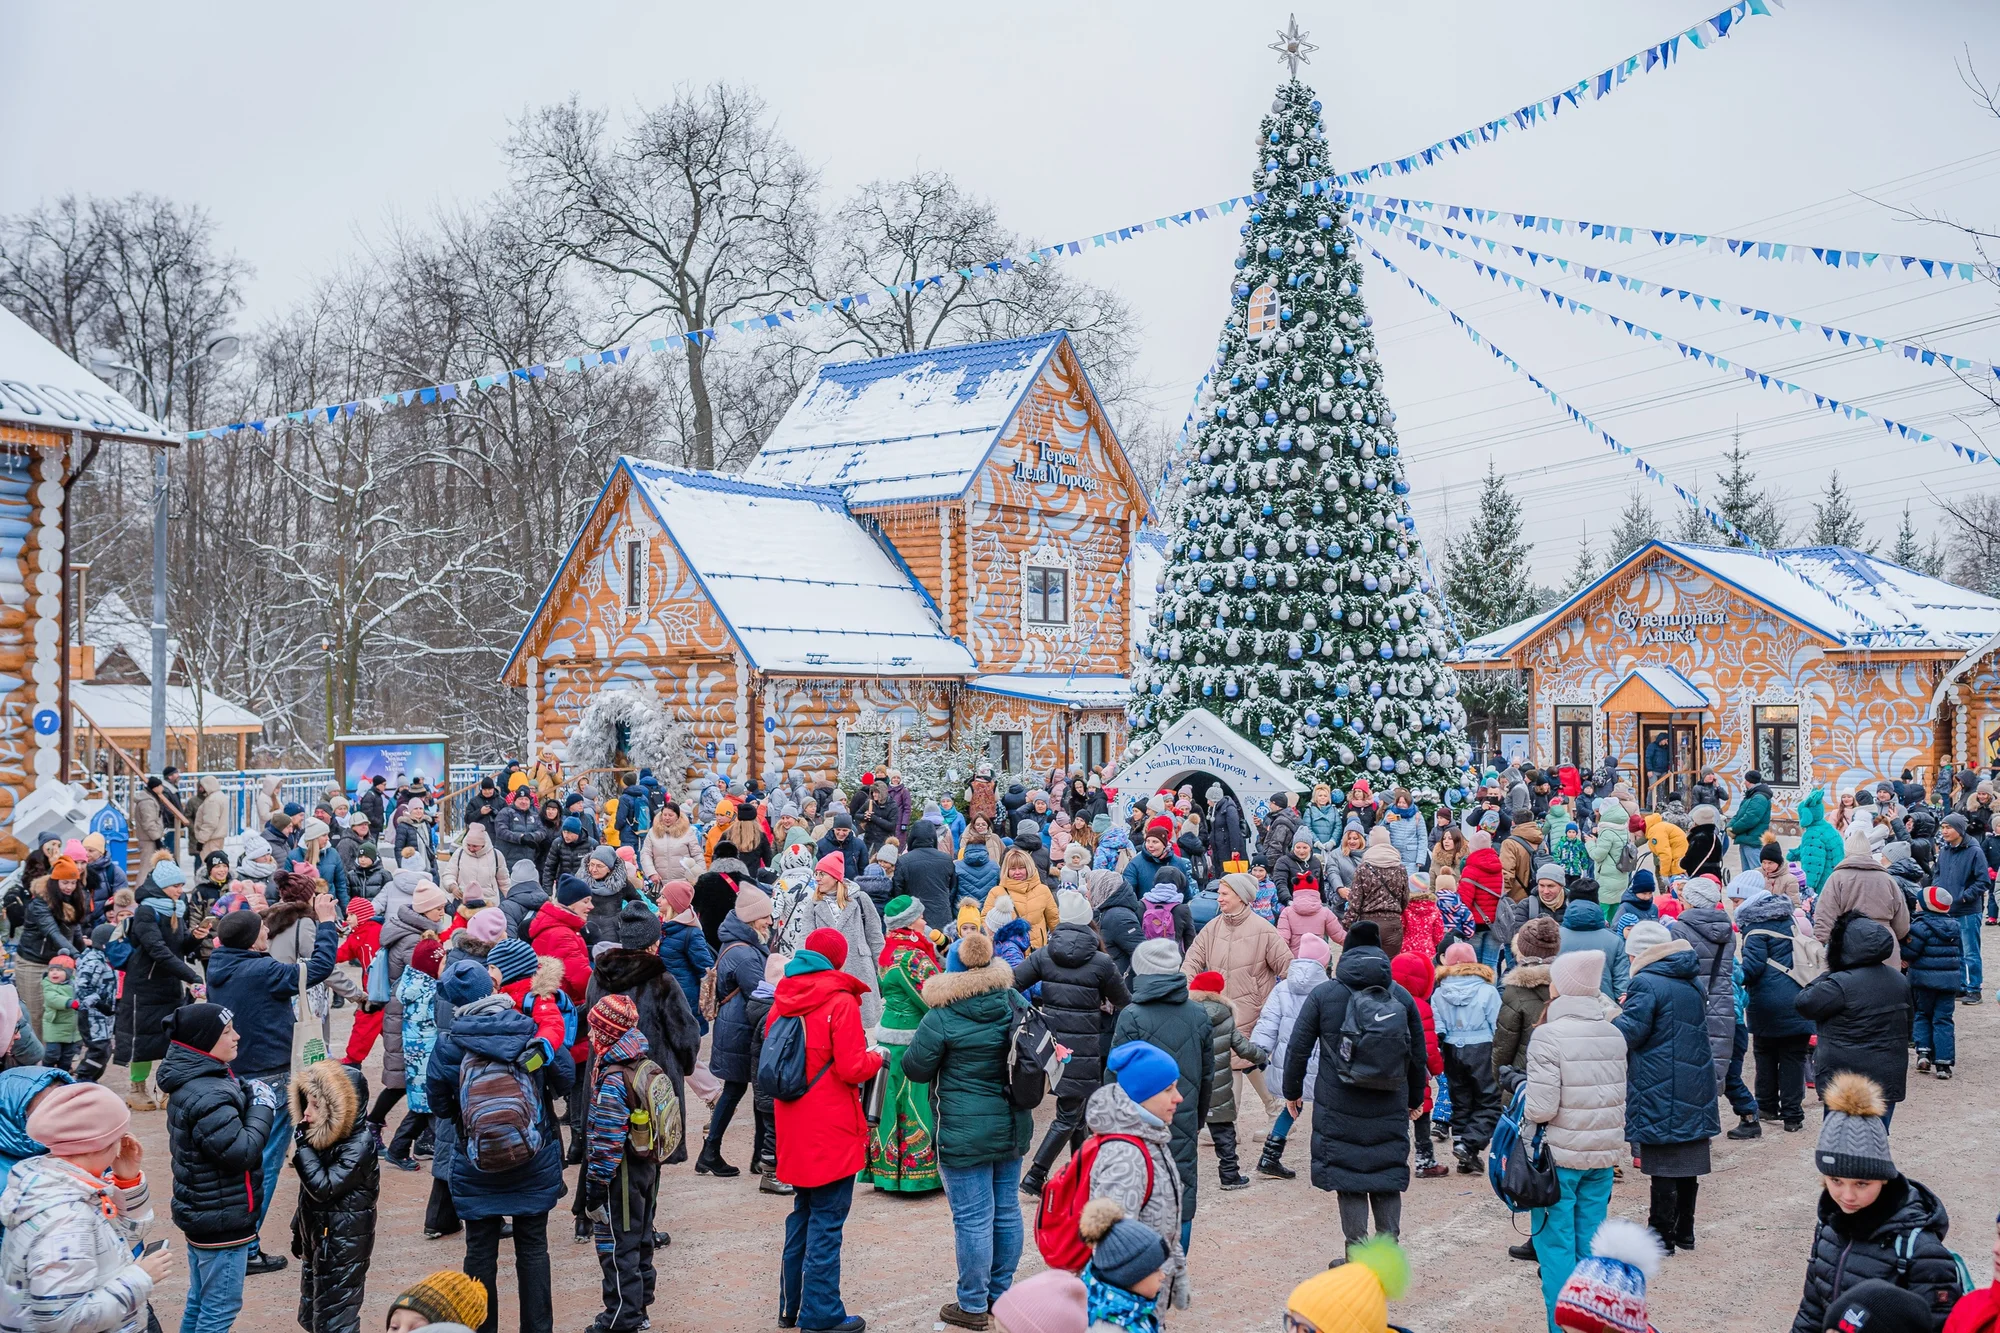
{"x":1058,"y":1234}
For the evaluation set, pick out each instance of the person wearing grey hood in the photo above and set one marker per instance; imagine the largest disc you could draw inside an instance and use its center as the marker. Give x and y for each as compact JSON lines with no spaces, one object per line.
{"x":522,"y":898}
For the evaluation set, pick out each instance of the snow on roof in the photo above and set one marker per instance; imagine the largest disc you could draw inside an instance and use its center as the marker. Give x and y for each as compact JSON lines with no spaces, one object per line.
{"x":797,"y":580}
{"x":1886,"y":606}
{"x":903,"y":428}
{"x":109,"y":624}
{"x":1055,"y":688}
{"x":1679,"y":693}
{"x":39,"y":386}
{"x":130,"y":708}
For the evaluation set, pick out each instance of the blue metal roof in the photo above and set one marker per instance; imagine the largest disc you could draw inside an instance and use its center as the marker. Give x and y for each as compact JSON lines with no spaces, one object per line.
{"x":976,"y":360}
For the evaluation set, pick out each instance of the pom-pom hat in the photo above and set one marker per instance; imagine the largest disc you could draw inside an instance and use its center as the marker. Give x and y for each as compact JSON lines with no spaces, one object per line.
{"x":1853,"y":1140}
{"x":1353,"y":1298}
{"x":1606,"y":1293}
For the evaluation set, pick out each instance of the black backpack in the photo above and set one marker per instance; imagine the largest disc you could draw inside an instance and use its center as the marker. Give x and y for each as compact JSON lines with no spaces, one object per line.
{"x":1372,"y":1048}
{"x":1032,"y":1061}
{"x":781,"y":1067}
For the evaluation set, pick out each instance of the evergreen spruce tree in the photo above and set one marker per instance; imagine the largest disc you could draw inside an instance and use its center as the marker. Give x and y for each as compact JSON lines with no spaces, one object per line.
{"x":1636,"y":526}
{"x":1582,"y":572}
{"x":1751,"y":510}
{"x":1925,"y":560}
{"x":1695,"y":530}
{"x":1486,"y":585}
{"x":1834,"y":521}
{"x":1293,"y":604}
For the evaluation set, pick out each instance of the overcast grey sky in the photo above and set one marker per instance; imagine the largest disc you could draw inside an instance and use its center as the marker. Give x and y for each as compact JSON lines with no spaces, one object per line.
{"x":304,"y":130}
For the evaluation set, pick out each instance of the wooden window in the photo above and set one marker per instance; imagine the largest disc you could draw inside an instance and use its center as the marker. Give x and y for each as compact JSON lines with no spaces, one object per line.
{"x":635,"y":574}
{"x":1573,"y":737}
{"x":1048,"y":595}
{"x":1004,"y":751}
{"x":1096,"y":750}
{"x":1776,"y":751}
{"x":1263,"y":310}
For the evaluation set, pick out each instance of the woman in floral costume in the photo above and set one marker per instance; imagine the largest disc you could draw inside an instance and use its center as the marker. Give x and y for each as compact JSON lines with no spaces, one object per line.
{"x":902,"y":1149}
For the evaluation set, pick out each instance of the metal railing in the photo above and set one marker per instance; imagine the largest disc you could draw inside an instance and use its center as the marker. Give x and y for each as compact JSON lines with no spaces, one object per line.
{"x":303,"y":785}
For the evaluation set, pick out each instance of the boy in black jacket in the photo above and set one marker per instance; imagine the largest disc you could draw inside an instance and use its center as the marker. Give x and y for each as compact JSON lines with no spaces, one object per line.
{"x":217,"y":1126}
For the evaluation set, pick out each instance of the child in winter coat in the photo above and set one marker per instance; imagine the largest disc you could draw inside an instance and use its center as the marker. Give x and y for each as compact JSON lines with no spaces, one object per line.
{"x":1121,"y":1283}
{"x":75,"y":1216}
{"x":1933,"y":953}
{"x":359,"y":946}
{"x":1456,"y":918}
{"x":333,"y":1231}
{"x":1012,"y":939}
{"x":1308,"y":914}
{"x":620,"y":1180}
{"x":1185,"y":924}
{"x":1571,"y":852}
{"x":1423,"y":924}
{"x":1266,"y":902}
{"x":1874,"y":1222}
{"x":1205,"y":988}
{"x":97,"y":1005}
{"x":1416,"y":974}
{"x":1274,"y":1033}
{"x":1467,"y":1007}
{"x":60,"y":1021}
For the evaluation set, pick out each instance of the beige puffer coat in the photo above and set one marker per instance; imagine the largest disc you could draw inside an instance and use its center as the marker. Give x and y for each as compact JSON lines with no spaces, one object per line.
{"x":1252,"y":957}
{"x":1576,"y":1083}
{"x":669,"y":856}
{"x":1860,"y":884}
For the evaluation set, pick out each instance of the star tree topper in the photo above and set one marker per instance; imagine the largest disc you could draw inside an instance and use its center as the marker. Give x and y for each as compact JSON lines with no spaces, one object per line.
{"x":1292,"y":47}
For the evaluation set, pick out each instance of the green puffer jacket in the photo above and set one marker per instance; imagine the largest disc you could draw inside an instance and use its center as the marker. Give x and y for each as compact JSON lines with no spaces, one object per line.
{"x":961,"y":1049}
{"x":1222,"y":1023}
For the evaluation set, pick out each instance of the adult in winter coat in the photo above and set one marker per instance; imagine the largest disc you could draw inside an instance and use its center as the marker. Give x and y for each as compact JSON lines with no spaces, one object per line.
{"x":1779,"y":1034}
{"x":1119,"y":916}
{"x":1294,"y":864}
{"x":1252,"y":957}
{"x":1162,"y":1014}
{"x":1518,"y":851}
{"x":1670,"y":1083}
{"x":977,"y":870}
{"x":1874,"y":1223}
{"x":963,"y":1049}
{"x":566,"y":852}
{"x":1281,"y":825}
{"x":1704,"y":849}
{"x":822,"y":1137}
{"x":1576,"y":1068}
{"x":1860,"y":884}
{"x":1861,"y":1008}
{"x":157,"y":976}
{"x":1584,"y":928}
{"x":519,"y":832}
{"x":739,"y":967}
{"x":1226,"y":835}
{"x":523,"y":899}
{"x":842,"y":839}
{"x":1607,"y":846}
{"x":333,"y":1229}
{"x":1360,"y":1136}
{"x":672,"y":848}
{"x":1481,"y":886}
{"x":1710,"y":933}
{"x":1962,"y":872}
{"x":715,"y":892}
{"x":837,"y":905}
{"x":927,"y":874}
{"x":217,"y":1127}
{"x":1752,"y":818}
{"x":211,"y":816}
{"x":1381,"y":890}
{"x":1082,"y":992}
{"x":476,"y":863}
{"x":1154,"y":855}
{"x":1820,"y":848}
{"x":148,"y":820}
{"x":1524,"y":993}
{"x":902,"y":1145}
{"x":1144,"y":1178}
{"x":1033,"y":902}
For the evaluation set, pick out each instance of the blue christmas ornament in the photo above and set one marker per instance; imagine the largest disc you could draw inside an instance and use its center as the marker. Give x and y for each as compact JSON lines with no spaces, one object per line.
{"x":1242,"y":263}
{"x":1271,"y":165}
{"x":1285,"y":312}
{"x":1339,"y":249}
{"x":1229,"y":689}
{"x":1321,"y":765}
{"x":1207,"y":688}
{"x":1401,"y":487}
{"x":1347,"y":377}
{"x":1284,"y":444}
{"x":1385,"y":652}
{"x":1325,"y":222}
{"x":1249,"y":548}
{"x":1375,"y":689}
{"x":1318,"y":509}
{"x":1249,"y":581}
{"x":1207,"y":584}
{"x":1312,"y":717}
{"x":1270,"y":417}
{"x":1368,"y":483}
{"x":1368,"y":582}
{"x":1263,"y":382}
{"x":1274,"y":136}
{"x":1242,"y":289}
{"x":1388,"y":765}
{"x":1340,"y":690}
{"x":1312,"y":543}
{"x":1229,"y":485}
{"x":1368,"y":321}
{"x":1291,"y":210}
{"x":1235,"y":381}
{"x":1332,"y":551}
{"x":1157,"y":687}
{"x":1243,"y":230}
{"x":1265,"y":728}
{"x":1275,"y":252}
{"x":1194,"y":521}
{"x":1266,"y":511}
{"x":1315,"y":106}
{"x":1394,"y":622}
{"x":1256,"y":217}
{"x":1295,"y":652}
{"x":1371,"y":418}
{"x":1361,"y":380}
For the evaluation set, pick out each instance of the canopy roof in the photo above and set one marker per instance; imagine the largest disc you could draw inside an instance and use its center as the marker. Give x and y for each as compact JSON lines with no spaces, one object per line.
{"x":1057,"y":688}
{"x":1656,"y":689}
{"x":1201,"y":742}
{"x":42,"y":388}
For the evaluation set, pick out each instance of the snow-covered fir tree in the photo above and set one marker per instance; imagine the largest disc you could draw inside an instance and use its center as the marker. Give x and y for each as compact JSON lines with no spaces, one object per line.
{"x":1486,"y":584}
{"x":1637,"y":525}
{"x":1910,"y":555}
{"x":1293,"y":604}
{"x":1834,"y":521}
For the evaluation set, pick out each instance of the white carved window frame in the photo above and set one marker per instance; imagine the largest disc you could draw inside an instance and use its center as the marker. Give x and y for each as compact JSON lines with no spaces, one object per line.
{"x":622,"y":539}
{"x":1045,"y":556}
{"x":1778,"y":692}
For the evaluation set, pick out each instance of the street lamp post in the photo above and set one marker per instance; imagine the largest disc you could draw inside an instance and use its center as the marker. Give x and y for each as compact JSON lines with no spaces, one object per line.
{"x":102,"y":362}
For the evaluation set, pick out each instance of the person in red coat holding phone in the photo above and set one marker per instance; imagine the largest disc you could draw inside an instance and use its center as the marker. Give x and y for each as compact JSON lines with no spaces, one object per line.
{"x":823,"y":1136}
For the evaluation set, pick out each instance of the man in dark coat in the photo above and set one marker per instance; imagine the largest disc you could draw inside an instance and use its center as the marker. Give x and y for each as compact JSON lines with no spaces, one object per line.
{"x":157,"y":976}
{"x":1120,"y":916}
{"x":1961,"y":872}
{"x":632,"y":801}
{"x":519,"y":832}
{"x":483,"y":806}
{"x":1078,"y":980}
{"x":1861,"y":1007}
{"x":1163,"y":1014}
{"x":927,"y":874}
{"x":1360,"y":1136}
{"x":841,"y":838}
{"x":370,"y":802}
{"x":489,"y":1025}
{"x":1226,"y":839}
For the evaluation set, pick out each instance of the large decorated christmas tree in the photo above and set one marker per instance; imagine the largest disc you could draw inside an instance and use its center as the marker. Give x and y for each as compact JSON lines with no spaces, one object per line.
{"x":1294,"y":603}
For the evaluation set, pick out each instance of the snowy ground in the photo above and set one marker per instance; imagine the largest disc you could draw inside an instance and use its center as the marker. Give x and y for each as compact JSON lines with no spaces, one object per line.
{"x":1753,"y":1228}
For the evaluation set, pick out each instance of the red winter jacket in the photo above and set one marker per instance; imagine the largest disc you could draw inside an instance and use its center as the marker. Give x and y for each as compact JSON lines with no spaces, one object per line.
{"x":1416,"y":975}
{"x":360,"y":945}
{"x":1479,"y":885}
{"x":535,"y":996}
{"x":556,"y":933}
{"x":822,"y":1136}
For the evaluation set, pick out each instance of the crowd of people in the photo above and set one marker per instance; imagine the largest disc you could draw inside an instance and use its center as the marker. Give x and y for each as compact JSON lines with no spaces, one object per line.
{"x":583,"y":990}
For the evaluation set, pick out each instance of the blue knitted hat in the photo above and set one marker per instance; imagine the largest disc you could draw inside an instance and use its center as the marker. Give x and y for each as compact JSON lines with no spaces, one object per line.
{"x":513,"y":959}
